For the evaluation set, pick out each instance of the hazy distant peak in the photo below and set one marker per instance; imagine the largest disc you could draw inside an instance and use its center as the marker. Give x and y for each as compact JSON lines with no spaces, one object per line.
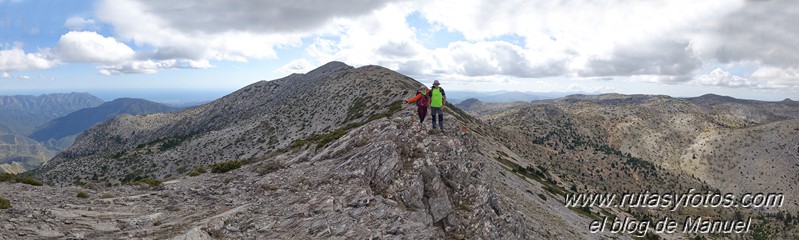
{"x":716,"y":96}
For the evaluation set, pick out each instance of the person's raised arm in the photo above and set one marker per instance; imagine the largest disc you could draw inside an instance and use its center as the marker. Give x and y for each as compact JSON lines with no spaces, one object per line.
{"x":414,"y":98}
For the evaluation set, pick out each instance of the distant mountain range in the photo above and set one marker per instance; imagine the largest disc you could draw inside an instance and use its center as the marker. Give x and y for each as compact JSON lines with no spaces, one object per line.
{"x":66,"y":115}
{"x":78,"y":121}
{"x":21,"y":114}
{"x":455,"y":97}
{"x":480,"y":108}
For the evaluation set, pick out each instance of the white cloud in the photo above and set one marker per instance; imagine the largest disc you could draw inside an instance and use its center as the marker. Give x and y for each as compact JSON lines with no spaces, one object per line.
{"x":296,"y":66}
{"x":385,"y":38}
{"x":760,"y":31}
{"x":79,"y":24}
{"x":15,"y":59}
{"x":381,"y":37}
{"x":606,"y":38}
{"x":151,"y":66}
{"x":779,"y":78}
{"x":719,"y":77}
{"x":662,"y":58}
{"x":265,"y":16}
{"x":6,"y":75}
{"x":113,"y":57}
{"x":221,"y":30}
{"x":92,"y":47}
{"x":661,"y":41}
{"x":486,"y":59}
{"x":24,"y":77}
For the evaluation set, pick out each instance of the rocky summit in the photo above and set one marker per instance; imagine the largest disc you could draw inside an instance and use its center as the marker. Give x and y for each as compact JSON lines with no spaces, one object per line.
{"x":332,"y":153}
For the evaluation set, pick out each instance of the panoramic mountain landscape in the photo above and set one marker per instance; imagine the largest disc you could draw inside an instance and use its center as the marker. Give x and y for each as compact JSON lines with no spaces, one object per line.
{"x":309,"y":168}
{"x":260,"y":163}
{"x":563,"y":119}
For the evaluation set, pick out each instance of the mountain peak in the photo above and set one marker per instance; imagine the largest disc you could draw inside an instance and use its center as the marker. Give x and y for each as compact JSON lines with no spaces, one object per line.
{"x":259,"y":118}
{"x":329,"y":67}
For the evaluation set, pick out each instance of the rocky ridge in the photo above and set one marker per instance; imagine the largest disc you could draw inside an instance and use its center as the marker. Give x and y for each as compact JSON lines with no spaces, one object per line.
{"x":362,"y":173}
{"x":372,"y":182}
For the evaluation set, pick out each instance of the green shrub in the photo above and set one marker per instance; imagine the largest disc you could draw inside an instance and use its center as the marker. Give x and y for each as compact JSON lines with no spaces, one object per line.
{"x":6,"y":177}
{"x":270,"y":167}
{"x":323,"y":139}
{"x":224,"y":167}
{"x":4,"y":203}
{"x":148,"y":181}
{"x":30,"y":181}
{"x":83,"y":195}
{"x":197,"y":171}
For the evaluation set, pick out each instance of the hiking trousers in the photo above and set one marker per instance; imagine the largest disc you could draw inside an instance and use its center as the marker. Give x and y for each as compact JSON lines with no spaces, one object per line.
{"x":436,"y":112}
{"x":422,"y":111}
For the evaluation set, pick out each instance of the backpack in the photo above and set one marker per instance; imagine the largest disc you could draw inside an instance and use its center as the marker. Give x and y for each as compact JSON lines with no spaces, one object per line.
{"x":424,"y":101}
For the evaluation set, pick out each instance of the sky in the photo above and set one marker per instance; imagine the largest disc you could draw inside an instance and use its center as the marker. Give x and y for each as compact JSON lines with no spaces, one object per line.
{"x":203,"y":49}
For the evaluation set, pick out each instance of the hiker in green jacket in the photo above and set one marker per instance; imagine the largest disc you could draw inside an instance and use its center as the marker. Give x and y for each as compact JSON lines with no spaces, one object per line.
{"x":437,"y":101}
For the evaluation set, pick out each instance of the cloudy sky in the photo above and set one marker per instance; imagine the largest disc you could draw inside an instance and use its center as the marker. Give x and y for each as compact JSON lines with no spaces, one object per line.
{"x":745,"y":49}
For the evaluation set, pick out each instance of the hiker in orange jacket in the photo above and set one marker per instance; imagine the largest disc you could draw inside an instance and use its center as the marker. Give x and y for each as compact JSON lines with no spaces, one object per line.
{"x":422,"y":103}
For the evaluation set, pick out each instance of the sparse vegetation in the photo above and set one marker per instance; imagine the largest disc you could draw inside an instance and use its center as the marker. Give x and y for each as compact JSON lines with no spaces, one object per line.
{"x":149,"y":181}
{"x":224,"y":167}
{"x":586,"y":212}
{"x":12,"y":178}
{"x":323,"y":139}
{"x":4,"y":203}
{"x":270,"y":167}
{"x":460,"y":114}
{"x":197,"y":171}
{"x":356,"y":109}
{"x":170,"y":143}
{"x":30,"y":181}
{"x":82,"y":195}
{"x":269,"y":187}
{"x":392,"y":108}
{"x":164,"y":143}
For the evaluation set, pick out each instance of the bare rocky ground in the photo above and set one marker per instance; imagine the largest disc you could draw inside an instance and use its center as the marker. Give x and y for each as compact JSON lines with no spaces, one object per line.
{"x":389,"y":179}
